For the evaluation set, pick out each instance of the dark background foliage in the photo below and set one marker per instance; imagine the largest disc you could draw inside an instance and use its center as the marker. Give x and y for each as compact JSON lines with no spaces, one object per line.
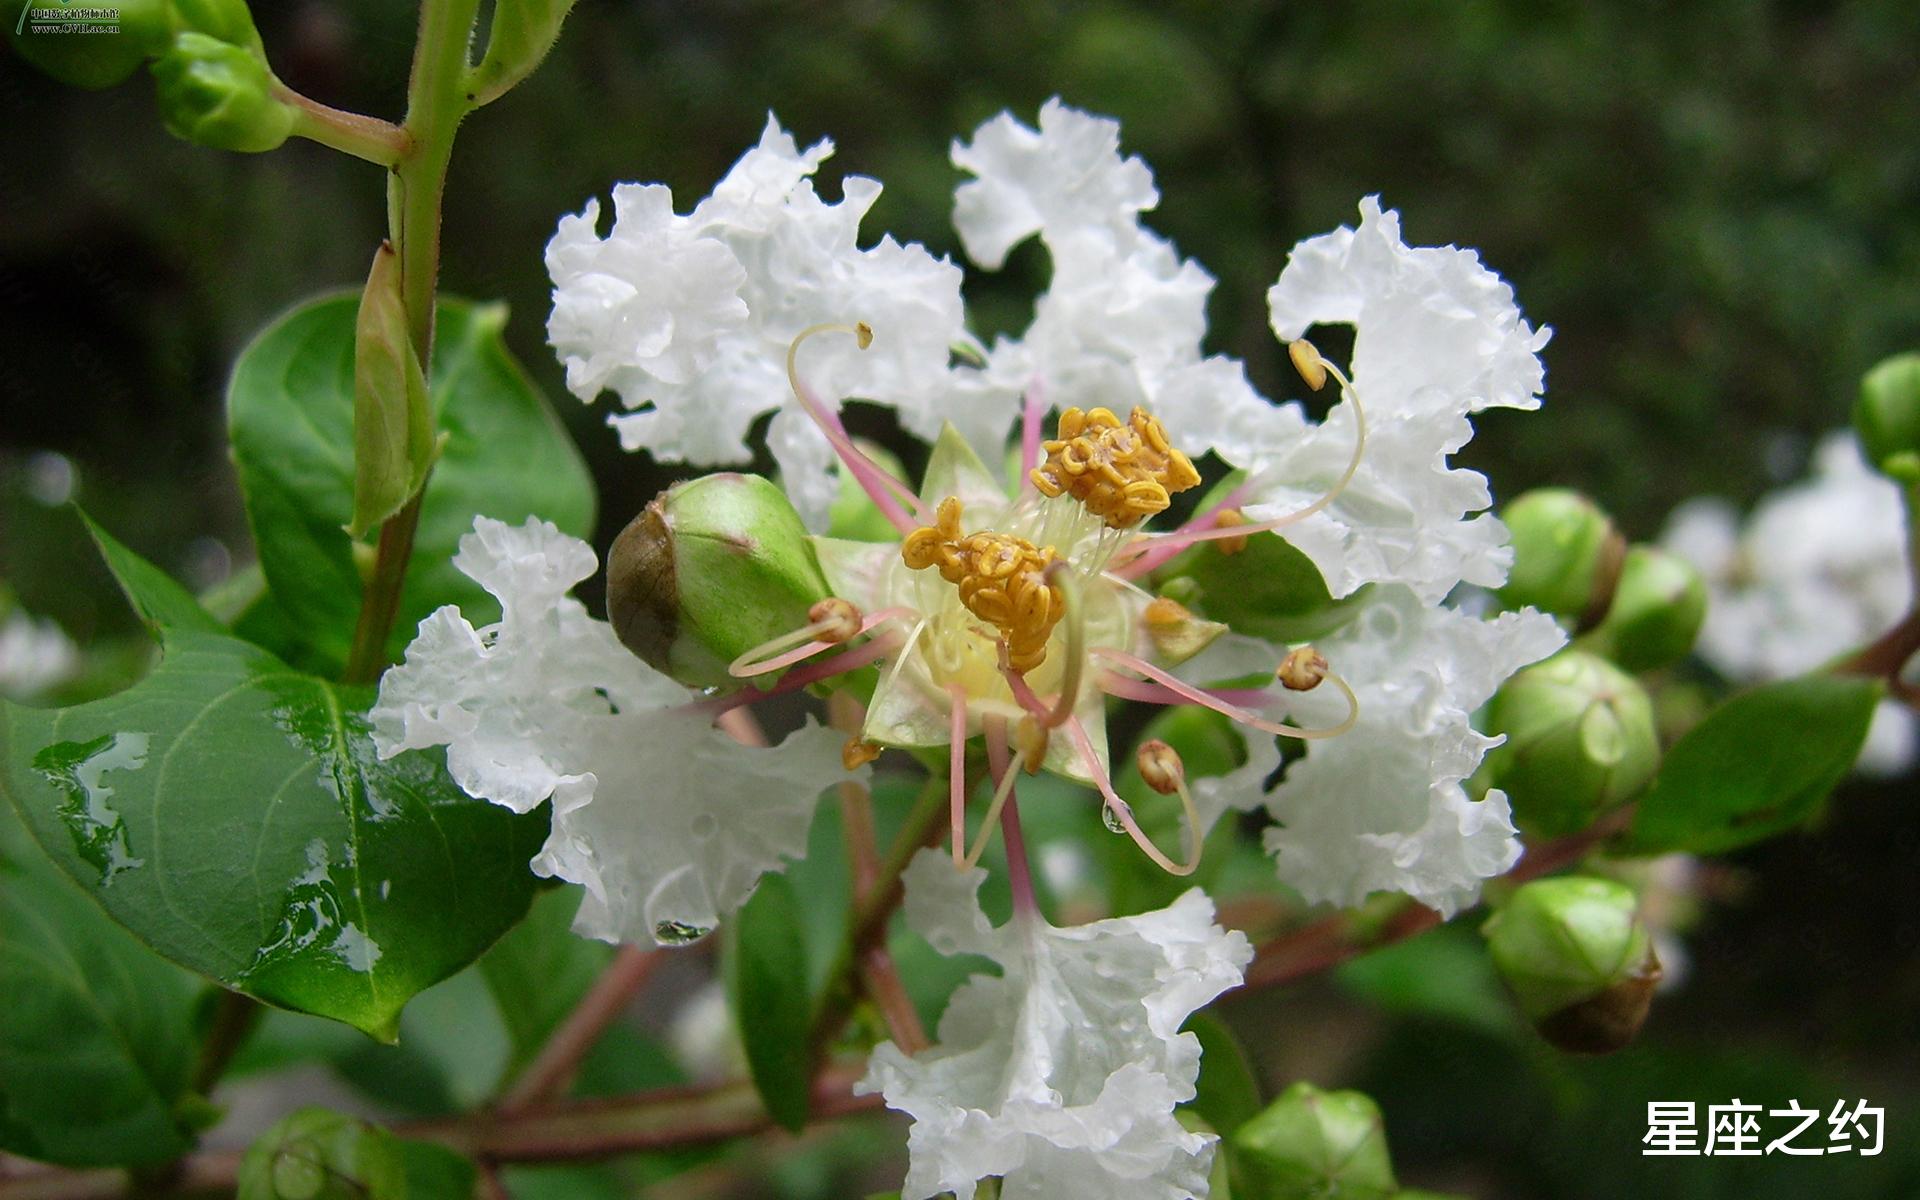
{"x":1716,"y":205}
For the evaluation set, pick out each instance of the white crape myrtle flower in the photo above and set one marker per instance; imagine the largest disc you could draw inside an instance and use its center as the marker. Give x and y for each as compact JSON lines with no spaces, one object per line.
{"x":1437,"y":336}
{"x":35,"y":654}
{"x":688,"y":318}
{"x":1060,"y":1075}
{"x":666,"y":821}
{"x":1819,"y":569}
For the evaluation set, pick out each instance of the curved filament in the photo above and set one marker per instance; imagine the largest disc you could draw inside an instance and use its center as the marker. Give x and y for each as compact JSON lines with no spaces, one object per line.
{"x":881,"y":487}
{"x":1123,"y":812}
{"x":1194,"y":695}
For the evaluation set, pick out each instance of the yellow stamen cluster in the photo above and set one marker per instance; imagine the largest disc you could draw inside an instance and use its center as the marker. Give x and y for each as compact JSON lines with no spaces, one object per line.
{"x":1123,"y":473}
{"x":1002,"y":580}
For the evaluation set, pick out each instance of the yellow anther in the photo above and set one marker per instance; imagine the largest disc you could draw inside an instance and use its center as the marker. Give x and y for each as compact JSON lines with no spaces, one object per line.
{"x":837,"y":620}
{"x":1303,"y":670}
{"x":857,"y":753}
{"x":1227,"y":518}
{"x":1160,"y":766}
{"x":863,"y":334}
{"x":1306,"y":360}
{"x":1163,"y":613}
{"x":1002,"y":580}
{"x":1031,"y":738}
{"x":1123,"y":472}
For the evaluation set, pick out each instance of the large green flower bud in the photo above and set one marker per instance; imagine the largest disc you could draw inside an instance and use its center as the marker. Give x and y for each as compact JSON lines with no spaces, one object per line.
{"x":1312,"y":1145}
{"x":1887,"y":416}
{"x":709,"y":570}
{"x":230,"y":21}
{"x":1656,"y":613}
{"x":220,"y":95}
{"x":1580,"y":739}
{"x":1566,"y":554}
{"x":315,"y":1154}
{"x":107,"y":53}
{"x":1579,"y":960}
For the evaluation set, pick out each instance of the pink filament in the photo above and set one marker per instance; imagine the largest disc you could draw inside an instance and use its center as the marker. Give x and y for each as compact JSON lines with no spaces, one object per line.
{"x":871,"y":476}
{"x":1197,"y":696}
{"x":1121,"y":810}
{"x":1159,"y":551}
{"x":799,"y":677}
{"x":1154,"y":693}
{"x":1019,"y":873}
{"x":809,"y":649}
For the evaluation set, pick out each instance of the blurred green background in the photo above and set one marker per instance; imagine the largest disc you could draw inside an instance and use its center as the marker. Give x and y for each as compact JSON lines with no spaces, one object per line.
{"x":1716,"y":205}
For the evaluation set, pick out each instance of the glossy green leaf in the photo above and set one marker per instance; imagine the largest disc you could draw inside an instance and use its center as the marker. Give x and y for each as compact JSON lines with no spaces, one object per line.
{"x":1759,"y":765}
{"x":97,"y":1044}
{"x":290,"y":410}
{"x":1227,"y":1094}
{"x":522,"y":33}
{"x":233,"y":814}
{"x":766,"y":960}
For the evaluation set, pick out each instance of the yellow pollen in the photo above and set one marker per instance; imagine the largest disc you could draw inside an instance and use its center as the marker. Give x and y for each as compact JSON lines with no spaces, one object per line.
{"x":1002,"y":580}
{"x":1227,"y":518}
{"x":1123,"y":473}
{"x":856,"y":753}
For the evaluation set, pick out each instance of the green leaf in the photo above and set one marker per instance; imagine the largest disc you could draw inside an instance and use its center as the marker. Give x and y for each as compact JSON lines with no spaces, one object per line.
{"x":97,"y":1044}
{"x":233,"y":814}
{"x":1227,"y":1094}
{"x":522,"y":33}
{"x":393,"y":442}
{"x":434,"y":1172}
{"x":290,"y":409}
{"x":157,"y":600}
{"x":766,"y":986}
{"x":539,"y":971}
{"x":1759,"y":765}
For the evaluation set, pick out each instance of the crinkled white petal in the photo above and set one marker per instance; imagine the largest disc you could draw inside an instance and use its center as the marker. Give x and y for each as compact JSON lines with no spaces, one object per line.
{"x":1437,"y":336}
{"x":690,"y":318}
{"x":1063,"y":178}
{"x":1061,"y":1075}
{"x":1381,"y":808}
{"x":666,"y":821}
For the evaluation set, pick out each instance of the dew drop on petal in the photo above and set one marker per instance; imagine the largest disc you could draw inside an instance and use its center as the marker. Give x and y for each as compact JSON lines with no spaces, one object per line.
{"x":673,"y":933}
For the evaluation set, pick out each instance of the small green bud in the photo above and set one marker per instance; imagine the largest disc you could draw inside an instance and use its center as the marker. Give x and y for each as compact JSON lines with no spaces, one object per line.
{"x":854,"y":515}
{"x":315,"y":1154}
{"x":1579,"y":960}
{"x":1310,"y":1145}
{"x":1887,"y":417}
{"x":1580,"y":739}
{"x":1656,"y":613}
{"x":1566,"y":553}
{"x":230,"y":21}
{"x":709,"y":570}
{"x":221,"y":95}
{"x":102,"y":56}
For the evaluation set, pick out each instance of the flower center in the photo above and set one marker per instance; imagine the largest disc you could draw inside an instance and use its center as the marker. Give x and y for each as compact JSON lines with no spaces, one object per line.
{"x":1001,"y":579}
{"x":1122,"y":473}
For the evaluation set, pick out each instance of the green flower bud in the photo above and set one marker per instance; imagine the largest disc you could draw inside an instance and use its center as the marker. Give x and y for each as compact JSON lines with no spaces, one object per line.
{"x":1310,"y":1145}
{"x":1566,"y":554}
{"x":230,"y":21}
{"x":1887,"y":416}
{"x":1263,"y":586}
{"x":104,"y":55}
{"x":854,"y":515}
{"x":1579,"y":960}
{"x":1656,"y":613}
{"x":319,"y":1155}
{"x":218,"y":94}
{"x":709,"y":570}
{"x":1580,"y":739}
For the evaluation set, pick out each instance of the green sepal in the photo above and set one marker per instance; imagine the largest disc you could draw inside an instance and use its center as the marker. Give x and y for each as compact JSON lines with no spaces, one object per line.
{"x":393,"y":441}
{"x":217,"y":94}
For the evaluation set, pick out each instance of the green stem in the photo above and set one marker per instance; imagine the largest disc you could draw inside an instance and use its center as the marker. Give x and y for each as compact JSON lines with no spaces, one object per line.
{"x":234,"y":1017}
{"x":435,"y":105}
{"x":370,"y":138}
{"x":867,"y":922}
